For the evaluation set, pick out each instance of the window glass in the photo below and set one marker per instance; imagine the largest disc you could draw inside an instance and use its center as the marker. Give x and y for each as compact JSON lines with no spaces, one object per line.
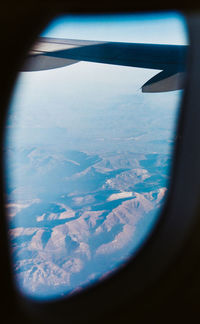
{"x":89,"y":143}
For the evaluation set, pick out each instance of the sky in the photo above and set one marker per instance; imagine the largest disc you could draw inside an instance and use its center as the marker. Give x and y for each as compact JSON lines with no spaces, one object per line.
{"x":81,"y":99}
{"x":165,"y":28}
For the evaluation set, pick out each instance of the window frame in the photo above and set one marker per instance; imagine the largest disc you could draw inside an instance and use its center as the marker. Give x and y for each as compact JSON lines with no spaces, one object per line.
{"x":167,"y":254}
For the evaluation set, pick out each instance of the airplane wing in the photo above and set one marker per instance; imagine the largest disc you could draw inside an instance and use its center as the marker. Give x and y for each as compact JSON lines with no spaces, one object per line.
{"x":51,"y":53}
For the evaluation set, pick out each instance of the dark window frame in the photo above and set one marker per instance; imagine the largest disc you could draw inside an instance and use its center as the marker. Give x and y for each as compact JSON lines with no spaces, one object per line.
{"x":173,"y":247}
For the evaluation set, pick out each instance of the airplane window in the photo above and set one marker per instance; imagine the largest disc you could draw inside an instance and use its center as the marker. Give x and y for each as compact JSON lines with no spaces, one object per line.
{"x":89,"y":143}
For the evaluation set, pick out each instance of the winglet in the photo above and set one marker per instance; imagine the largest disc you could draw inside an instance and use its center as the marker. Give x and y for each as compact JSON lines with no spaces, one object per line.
{"x":165,"y":81}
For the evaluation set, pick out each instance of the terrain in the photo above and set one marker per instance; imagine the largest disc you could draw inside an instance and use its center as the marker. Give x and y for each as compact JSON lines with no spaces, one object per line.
{"x":76,"y":216}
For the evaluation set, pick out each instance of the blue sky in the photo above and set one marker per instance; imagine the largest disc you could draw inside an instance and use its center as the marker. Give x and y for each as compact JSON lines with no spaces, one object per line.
{"x":166,"y":28}
{"x":76,"y":97}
